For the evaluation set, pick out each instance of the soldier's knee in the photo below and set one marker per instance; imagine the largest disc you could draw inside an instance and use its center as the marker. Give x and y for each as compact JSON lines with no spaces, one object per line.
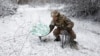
{"x":56,"y":32}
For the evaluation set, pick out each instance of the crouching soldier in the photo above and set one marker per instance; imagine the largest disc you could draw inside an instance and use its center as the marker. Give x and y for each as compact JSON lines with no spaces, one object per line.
{"x":62,"y":23}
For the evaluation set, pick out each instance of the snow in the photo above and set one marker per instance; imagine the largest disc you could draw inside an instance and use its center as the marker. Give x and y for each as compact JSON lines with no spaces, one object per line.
{"x":7,"y":8}
{"x":16,"y":39}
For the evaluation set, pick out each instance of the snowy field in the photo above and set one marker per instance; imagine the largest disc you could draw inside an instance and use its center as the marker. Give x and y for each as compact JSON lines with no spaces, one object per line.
{"x":16,"y":39}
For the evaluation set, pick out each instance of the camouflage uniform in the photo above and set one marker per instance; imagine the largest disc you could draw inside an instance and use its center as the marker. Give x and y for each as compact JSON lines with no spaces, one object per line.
{"x":62,"y":23}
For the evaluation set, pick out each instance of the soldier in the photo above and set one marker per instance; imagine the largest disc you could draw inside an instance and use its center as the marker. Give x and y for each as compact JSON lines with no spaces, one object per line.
{"x":62,"y":23}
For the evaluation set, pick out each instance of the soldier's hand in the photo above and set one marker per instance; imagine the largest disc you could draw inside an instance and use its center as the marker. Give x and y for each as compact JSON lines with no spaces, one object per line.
{"x":51,"y":27}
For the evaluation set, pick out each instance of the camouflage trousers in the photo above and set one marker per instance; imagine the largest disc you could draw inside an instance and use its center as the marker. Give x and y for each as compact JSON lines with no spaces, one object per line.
{"x":57,"y":31}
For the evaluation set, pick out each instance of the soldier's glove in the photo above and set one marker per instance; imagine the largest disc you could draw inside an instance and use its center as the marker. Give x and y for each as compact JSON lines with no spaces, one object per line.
{"x":51,"y":27}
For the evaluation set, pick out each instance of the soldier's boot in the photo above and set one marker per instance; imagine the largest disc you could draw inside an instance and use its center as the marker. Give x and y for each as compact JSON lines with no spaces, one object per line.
{"x":57,"y":38}
{"x":73,"y":43}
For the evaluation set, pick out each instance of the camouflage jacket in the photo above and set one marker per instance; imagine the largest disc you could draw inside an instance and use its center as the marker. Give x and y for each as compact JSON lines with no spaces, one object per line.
{"x":62,"y":23}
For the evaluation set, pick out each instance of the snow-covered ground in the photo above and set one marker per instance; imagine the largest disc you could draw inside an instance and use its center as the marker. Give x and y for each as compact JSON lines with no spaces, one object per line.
{"x":16,"y":39}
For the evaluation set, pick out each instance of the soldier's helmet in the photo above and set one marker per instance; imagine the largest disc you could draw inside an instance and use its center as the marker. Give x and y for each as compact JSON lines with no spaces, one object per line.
{"x":55,"y":13}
